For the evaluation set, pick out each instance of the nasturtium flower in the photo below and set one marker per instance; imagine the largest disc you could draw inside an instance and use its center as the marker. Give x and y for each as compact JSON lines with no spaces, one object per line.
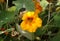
{"x":38,"y":7}
{"x":2,"y":1}
{"x":30,"y":22}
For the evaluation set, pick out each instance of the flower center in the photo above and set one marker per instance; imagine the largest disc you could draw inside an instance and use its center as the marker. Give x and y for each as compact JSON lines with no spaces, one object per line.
{"x":30,"y":19}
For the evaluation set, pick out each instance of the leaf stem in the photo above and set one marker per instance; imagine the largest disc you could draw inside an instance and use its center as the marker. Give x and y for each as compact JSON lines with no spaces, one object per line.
{"x":48,"y":22}
{"x":7,"y":5}
{"x":49,"y":13}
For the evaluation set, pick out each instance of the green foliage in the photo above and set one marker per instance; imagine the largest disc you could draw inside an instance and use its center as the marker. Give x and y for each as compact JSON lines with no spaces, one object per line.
{"x":50,"y":31}
{"x":44,"y":3}
{"x":56,"y":38}
{"x":28,"y":4}
{"x":1,"y":39}
{"x":6,"y":17}
{"x":57,"y":19}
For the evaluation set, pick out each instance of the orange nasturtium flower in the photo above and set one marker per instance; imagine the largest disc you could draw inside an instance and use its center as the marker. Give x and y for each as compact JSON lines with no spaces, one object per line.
{"x":2,"y":1}
{"x":38,"y":8}
{"x":30,"y":22}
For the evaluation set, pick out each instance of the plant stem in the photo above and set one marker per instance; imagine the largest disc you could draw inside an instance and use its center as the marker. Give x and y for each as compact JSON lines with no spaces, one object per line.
{"x":1,"y":6}
{"x":32,"y":37}
{"x":7,"y":5}
{"x":48,"y":22}
{"x":8,"y":30}
{"x":49,"y":13}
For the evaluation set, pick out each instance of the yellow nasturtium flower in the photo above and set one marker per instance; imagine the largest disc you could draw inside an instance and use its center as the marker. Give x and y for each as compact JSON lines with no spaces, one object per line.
{"x":30,"y":22}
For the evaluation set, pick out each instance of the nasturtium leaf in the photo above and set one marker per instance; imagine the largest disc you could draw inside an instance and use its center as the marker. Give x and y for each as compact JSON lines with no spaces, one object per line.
{"x":28,"y":4}
{"x":57,"y":20}
{"x":12,"y":9}
{"x":6,"y":17}
{"x":56,"y":38}
{"x":1,"y":39}
{"x":44,"y":3}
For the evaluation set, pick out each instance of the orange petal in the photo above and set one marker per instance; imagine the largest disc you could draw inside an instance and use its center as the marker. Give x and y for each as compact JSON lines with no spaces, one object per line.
{"x":2,"y":1}
{"x":37,"y":6}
